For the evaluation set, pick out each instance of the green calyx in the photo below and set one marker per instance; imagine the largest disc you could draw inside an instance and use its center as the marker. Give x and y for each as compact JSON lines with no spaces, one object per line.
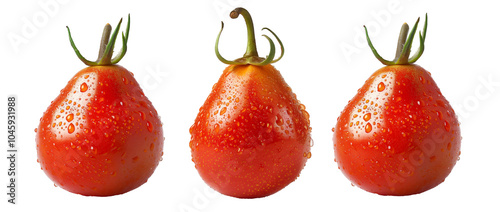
{"x":404,"y":45}
{"x":251,"y":56}
{"x":107,"y":46}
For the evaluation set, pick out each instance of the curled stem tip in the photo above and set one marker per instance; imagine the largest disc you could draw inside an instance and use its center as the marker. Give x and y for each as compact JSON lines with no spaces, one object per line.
{"x":106,"y":47}
{"x":251,"y":56}
{"x":404,"y":45}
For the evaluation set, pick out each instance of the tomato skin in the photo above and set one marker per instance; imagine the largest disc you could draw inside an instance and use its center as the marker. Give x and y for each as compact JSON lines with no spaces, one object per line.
{"x":101,"y":136}
{"x":398,"y":135}
{"x":251,"y":137}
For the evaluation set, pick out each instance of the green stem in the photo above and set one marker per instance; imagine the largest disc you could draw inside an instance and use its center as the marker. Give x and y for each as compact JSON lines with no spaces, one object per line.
{"x":108,"y":53}
{"x":251,"y":56}
{"x":106,"y":47}
{"x":404,"y":45}
{"x":421,"y":48}
{"x":104,"y":41}
{"x":405,"y":54}
{"x":279,"y":41}
{"x":78,"y":54}
{"x":222,"y":59}
{"x":402,"y":39}
{"x":123,"y":50}
{"x":251,"y":44}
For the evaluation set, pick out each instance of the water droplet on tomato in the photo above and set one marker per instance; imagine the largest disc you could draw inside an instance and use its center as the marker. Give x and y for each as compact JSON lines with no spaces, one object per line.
{"x":306,"y":114}
{"x":368,"y":128}
{"x":333,"y":129}
{"x":36,"y":129}
{"x":448,"y":147}
{"x":440,"y":115}
{"x":84,"y":87}
{"x":367,"y":116}
{"x":149,"y":126}
{"x":71,"y":128}
{"x":191,"y":129}
{"x":279,"y":120}
{"x":440,"y":103}
{"x":269,"y":128}
{"x":142,"y":115}
{"x":381,"y":87}
{"x":446,"y":126}
{"x":151,"y":146}
{"x":69,"y":117}
{"x":422,"y":80}
{"x":135,"y":159}
{"x":216,"y":128}
{"x":125,"y":80}
{"x":223,"y":110}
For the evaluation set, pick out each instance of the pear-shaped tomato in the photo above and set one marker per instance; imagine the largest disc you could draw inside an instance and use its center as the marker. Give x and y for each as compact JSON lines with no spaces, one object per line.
{"x":251,"y":137}
{"x":398,"y":135}
{"x":101,"y":136}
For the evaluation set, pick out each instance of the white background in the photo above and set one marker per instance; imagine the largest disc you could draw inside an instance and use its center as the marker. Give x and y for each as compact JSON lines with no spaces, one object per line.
{"x":171,"y":53}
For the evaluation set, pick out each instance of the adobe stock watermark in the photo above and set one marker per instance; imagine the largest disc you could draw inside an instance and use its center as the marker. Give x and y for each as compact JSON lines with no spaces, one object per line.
{"x":381,"y":18}
{"x":32,"y":24}
{"x":224,"y":7}
{"x":203,"y":197}
{"x":154,"y":77}
{"x":416,"y":158}
{"x":201,"y":200}
{"x":484,"y":90}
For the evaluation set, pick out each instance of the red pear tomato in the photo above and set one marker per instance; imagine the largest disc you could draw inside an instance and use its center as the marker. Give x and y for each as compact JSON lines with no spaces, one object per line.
{"x":398,"y":135}
{"x":101,"y":136}
{"x":251,"y":137}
